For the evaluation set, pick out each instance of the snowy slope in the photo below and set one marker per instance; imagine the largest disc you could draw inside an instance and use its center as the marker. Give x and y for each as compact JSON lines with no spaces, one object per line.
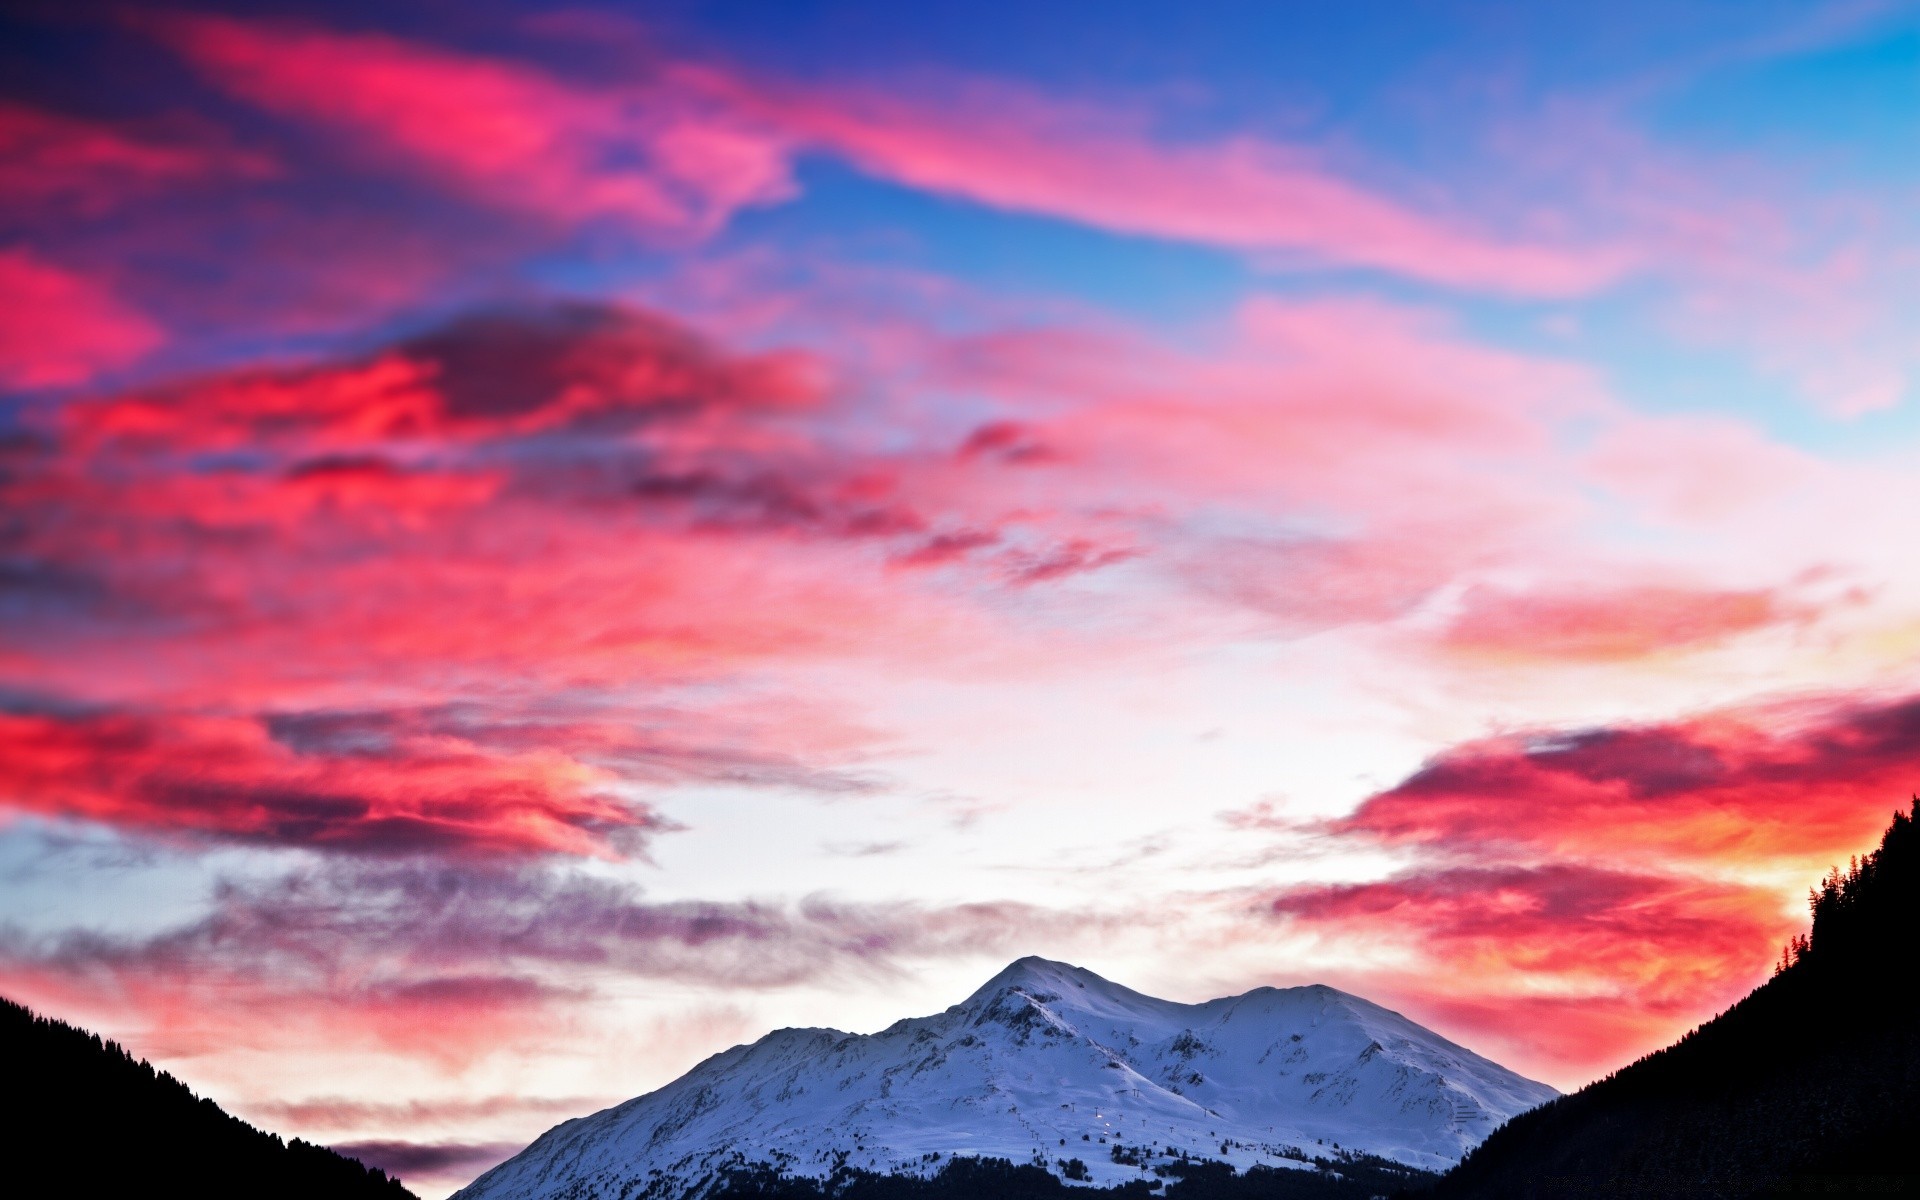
{"x":1044,"y":1063}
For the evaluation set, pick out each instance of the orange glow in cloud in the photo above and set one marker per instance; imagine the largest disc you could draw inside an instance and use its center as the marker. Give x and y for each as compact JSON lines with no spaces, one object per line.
{"x":1578,"y":897}
{"x":1775,"y":786}
{"x":1567,"y":969}
{"x":1612,"y":625}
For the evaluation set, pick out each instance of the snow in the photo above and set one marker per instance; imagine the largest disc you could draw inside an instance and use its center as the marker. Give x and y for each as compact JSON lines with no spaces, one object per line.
{"x":1046,"y":1062}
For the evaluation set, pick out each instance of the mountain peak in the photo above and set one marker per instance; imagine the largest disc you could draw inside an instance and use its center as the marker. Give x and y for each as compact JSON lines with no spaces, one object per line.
{"x":1033,"y":973}
{"x":1046,"y":1062}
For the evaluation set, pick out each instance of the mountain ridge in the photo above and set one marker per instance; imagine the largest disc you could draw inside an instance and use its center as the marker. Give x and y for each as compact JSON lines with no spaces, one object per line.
{"x":1051,"y":1066}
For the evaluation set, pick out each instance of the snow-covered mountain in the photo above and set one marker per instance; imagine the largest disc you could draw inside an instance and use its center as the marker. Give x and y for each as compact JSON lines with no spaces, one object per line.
{"x":1044,"y":1064}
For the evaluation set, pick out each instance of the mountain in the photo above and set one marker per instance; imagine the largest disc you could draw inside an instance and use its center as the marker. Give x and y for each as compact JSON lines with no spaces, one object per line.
{"x":86,"y":1109}
{"x":1050,"y":1067}
{"x":1810,"y":1084}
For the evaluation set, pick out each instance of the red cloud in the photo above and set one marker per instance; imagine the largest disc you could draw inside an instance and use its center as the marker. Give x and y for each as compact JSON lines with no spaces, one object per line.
{"x":229,"y":778}
{"x":50,"y":161}
{"x":1614,"y":624}
{"x":1008,"y":442}
{"x":583,"y":496}
{"x":1659,"y":939}
{"x":1780,"y":786}
{"x":1610,"y":961}
{"x":61,"y":327}
{"x":660,"y":158}
{"x":590,"y":502}
{"x":1617,"y":884}
{"x":494,"y":375}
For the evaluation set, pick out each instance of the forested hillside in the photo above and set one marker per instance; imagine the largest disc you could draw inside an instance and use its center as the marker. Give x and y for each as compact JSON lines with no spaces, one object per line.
{"x":89,"y":1114}
{"x":1811,"y":1083}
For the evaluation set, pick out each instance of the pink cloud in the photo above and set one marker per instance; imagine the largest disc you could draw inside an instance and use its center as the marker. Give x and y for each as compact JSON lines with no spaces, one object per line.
{"x":593,"y":461}
{"x":711,"y":142}
{"x":1799,"y":270}
{"x":511,"y":374}
{"x":64,"y":328}
{"x":229,"y":778}
{"x":1699,"y":469}
{"x":1024,"y":152}
{"x":1369,"y":406}
{"x":1327,"y":462}
{"x":503,"y":131}
{"x":1617,"y":624}
{"x":52,"y":163}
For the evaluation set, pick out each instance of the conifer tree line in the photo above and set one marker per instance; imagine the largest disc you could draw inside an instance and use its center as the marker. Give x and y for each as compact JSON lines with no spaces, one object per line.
{"x":109,"y":1124}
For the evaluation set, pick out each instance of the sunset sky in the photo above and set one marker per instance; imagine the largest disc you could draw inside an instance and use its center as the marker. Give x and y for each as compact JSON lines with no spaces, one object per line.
{"x":539,"y":543}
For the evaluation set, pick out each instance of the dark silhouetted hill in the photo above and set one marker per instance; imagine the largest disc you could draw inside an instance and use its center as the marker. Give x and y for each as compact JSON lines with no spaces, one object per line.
{"x":1810,"y":1085}
{"x":102,"y":1123}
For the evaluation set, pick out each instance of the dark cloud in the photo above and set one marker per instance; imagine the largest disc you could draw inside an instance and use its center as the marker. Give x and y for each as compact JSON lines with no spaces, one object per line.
{"x":947,"y":547}
{"x":446,"y":935}
{"x":342,"y":1112}
{"x":531,"y":371}
{"x":30,"y":590}
{"x":753,"y":500}
{"x":335,"y":466}
{"x":1649,"y":763}
{"x":1008,"y":442}
{"x":1074,"y":557}
{"x":411,"y":1160}
{"x":498,"y":367}
{"x":653,"y":745}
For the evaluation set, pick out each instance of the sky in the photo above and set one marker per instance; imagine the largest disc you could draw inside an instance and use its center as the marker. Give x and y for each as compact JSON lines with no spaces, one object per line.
{"x":538,"y":543}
